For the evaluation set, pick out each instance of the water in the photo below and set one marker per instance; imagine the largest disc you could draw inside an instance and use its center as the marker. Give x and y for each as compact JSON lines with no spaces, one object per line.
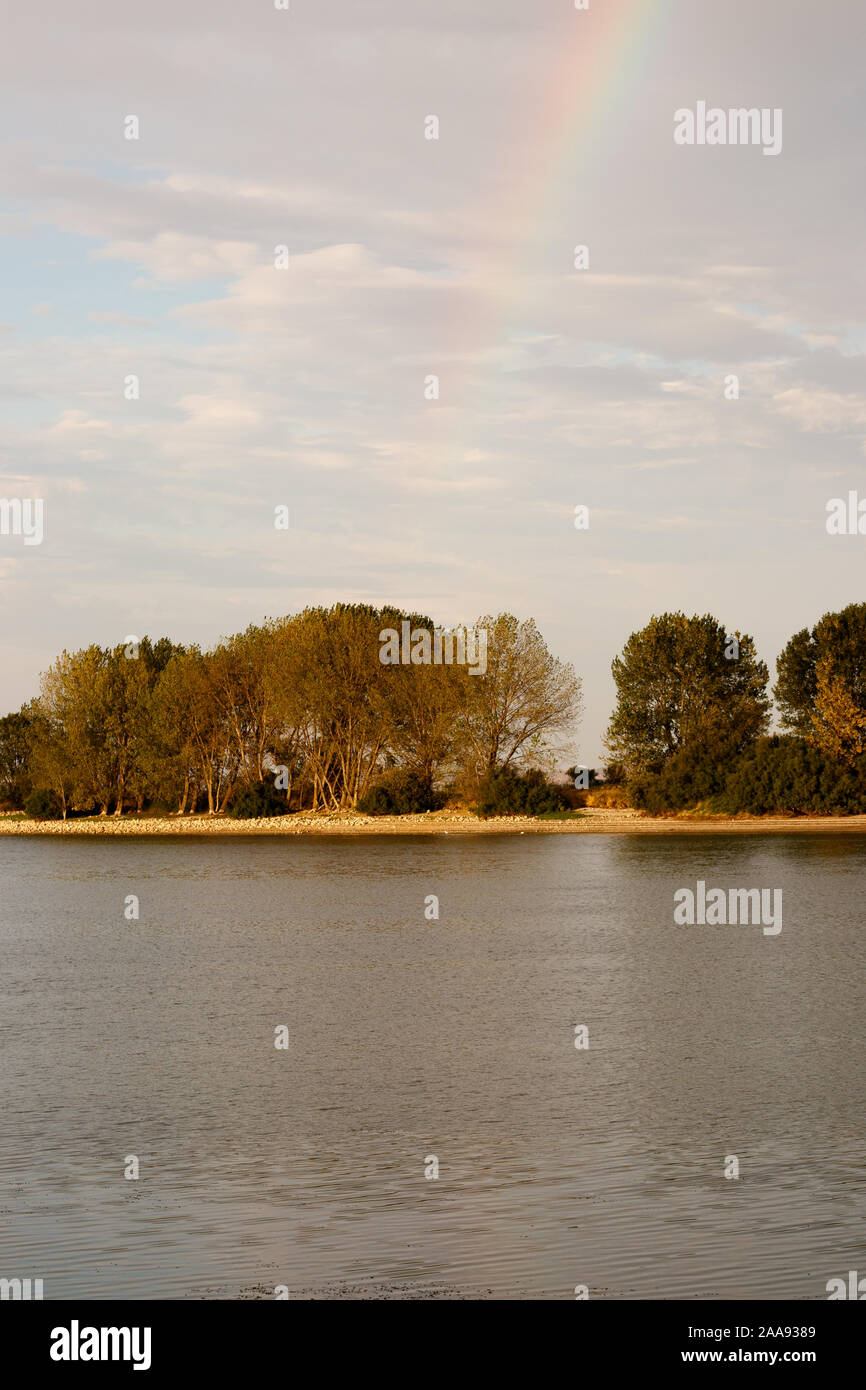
{"x":411,"y":1038}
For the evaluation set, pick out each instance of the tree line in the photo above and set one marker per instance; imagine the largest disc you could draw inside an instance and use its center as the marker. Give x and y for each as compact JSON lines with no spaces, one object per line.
{"x":301,"y":713}
{"x":295,"y":713}
{"x":691,"y":725}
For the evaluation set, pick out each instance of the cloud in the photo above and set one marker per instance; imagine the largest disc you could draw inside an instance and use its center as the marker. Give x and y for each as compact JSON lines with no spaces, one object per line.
{"x":174,"y":256}
{"x":825,"y":412}
{"x":120,"y":320}
{"x":409,"y":258}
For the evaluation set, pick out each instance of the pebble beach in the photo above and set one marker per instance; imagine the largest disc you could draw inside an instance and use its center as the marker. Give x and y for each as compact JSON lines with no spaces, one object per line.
{"x":592,"y":820}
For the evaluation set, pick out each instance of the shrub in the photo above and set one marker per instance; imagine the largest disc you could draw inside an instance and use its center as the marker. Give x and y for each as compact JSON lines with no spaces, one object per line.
{"x":260,"y":799}
{"x":377,"y":802}
{"x":694,"y":773}
{"x":610,"y":796}
{"x":43,"y":804}
{"x":507,"y":793}
{"x":689,"y":777}
{"x":781,"y":774}
{"x":784,"y":773}
{"x":400,"y":793}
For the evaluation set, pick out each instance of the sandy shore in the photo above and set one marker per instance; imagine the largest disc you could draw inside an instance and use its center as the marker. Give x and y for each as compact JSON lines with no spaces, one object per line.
{"x":592,"y":821}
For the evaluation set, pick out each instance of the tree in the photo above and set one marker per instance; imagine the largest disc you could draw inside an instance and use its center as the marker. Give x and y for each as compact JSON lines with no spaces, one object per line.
{"x":143,"y":773}
{"x":839,"y":638}
{"x":51,"y":761}
{"x":194,"y":728}
{"x":319,"y":697}
{"x":525,"y":697}
{"x":424,"y":707}
{"x":684,"y":683}
{"x":15,"y":731}
{"x":246,"y":696}
{"x":340,"y":698}
{"x":74,"y":699}
{"x":838,"y":722}
{"x":97,"y":705}
{"x":169,"y":758}
{"x":126,"y":687}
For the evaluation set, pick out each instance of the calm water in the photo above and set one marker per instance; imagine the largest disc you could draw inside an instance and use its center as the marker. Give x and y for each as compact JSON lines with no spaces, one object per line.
{"x":411,"y":1038}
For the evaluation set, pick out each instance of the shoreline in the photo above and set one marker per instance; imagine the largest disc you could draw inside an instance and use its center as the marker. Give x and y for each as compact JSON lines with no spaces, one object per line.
{"x":592,"y":821}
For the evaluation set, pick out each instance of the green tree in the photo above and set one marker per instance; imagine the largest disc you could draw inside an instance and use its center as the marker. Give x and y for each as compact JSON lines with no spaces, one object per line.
{"x":424,"y":709}
{"x":15,"y":734}
{"x":340,"y":697}
{"x":684,"y":683}
{"x":74,"y":697}
{"x":51,"y":760}
{"x":194,"y":730}
{"x":838,"y":638}
{"x":245,"y":692}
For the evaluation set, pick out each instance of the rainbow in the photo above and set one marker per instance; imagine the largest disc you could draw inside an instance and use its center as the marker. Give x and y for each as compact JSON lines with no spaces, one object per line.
{"x":594,"y":85}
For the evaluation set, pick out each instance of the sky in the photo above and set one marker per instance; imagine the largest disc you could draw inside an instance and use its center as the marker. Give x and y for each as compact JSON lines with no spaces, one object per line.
{"x":409,"y":258}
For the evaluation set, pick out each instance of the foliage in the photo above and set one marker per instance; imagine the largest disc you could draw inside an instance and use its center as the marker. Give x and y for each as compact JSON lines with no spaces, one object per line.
{"x":43,"y":804}
{"x":684,"y":682}
{"x":838,"y":722}
{"x":694,"y":773}
{"x":259,"y":799}
{"x":690,"y":724}
{"x":507,"y":793}
{"x":609,"y":796}
{"x":404,"y":792}
{"x":525,"y":696}
{"x":838,"y":639}
{"x":786,"y":774}
{"x":15,"y":782}
{"x":308,"y":695}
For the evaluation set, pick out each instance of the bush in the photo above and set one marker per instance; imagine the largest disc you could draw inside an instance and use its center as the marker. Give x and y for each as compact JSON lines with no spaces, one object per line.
{"x":260,"y":799}
{"x":781,"y":774}
{"x":507,"y":793}
{"x":43,"y":804}
{"x":401,"y":794}
{"x":610,"y":796}
{"x":785,"y":773}
{"x":14,"y":794}
{"x":615,"y":775}
{"x":695,"y":773}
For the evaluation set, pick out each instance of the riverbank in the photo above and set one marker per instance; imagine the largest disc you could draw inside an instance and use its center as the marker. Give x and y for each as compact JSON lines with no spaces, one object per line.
{"x":592,"y":820}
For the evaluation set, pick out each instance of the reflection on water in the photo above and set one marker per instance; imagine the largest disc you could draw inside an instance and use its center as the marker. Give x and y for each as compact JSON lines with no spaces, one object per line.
{"x":411,"y":1038}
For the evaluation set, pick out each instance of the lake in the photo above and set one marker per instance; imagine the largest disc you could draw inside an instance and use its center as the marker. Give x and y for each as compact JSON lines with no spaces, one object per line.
{"x":411,"y":1038}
